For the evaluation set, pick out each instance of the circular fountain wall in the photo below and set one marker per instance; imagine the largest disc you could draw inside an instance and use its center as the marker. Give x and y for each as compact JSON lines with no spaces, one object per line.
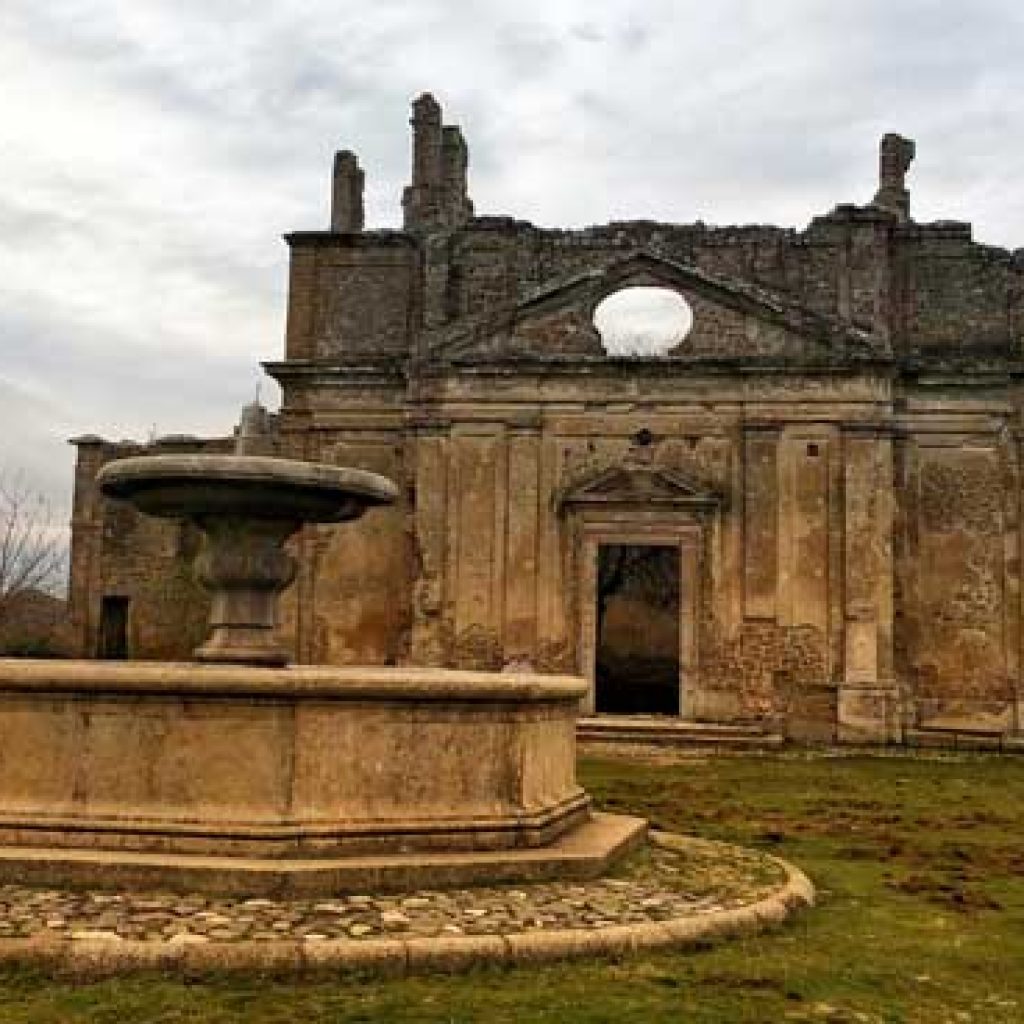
{"x":239,"y":773}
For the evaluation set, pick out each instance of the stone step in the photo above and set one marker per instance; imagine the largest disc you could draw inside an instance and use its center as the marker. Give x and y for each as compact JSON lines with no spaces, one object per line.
{"x":963,"y":739}
{"x":584,"y":852}
{"x":662,"y":729}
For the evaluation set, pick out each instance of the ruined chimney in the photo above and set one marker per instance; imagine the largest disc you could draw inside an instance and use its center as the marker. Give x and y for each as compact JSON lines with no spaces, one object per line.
{"x":437,"y":198}
{"x":426,"y":142}
{"x":895,"y":154}
{"x":454,"y":165}
{"x":347,"y":193}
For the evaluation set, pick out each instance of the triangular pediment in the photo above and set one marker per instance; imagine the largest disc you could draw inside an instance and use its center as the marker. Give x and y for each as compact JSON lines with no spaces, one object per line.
{"x":732,"y":321}
{"x":638,"y":485}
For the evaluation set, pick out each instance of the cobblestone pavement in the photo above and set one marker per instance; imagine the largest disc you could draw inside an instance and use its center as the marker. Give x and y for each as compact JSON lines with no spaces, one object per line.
{"x":653,"y":885}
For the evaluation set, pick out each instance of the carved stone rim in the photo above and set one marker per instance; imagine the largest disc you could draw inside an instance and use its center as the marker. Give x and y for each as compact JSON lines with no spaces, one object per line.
{"x":247,"y":487}
{"x":297,"y":682}
{"x":119,"y":478}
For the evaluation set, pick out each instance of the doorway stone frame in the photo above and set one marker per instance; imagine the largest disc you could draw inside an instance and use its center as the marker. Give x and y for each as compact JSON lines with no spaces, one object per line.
{"x":644,"y":506}
{"x":686,"y":541}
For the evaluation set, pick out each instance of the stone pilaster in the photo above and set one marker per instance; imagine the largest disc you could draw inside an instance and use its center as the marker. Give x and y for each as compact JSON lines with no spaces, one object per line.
{"x":868,"y":697}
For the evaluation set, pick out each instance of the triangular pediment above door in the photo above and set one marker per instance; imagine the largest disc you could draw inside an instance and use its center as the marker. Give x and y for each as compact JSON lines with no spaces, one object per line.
{"x":639,"y":485}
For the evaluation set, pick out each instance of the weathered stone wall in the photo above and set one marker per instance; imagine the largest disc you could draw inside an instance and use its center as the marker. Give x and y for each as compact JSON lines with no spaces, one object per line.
{"x":959,"y":564}
{"x":929,"y":285}
{"x":959,"y":300}
{"x":350,"y":296}
{"x":481,"y":568}
{"x":118,"y":552}
{"x":833,"y":450}
{"x":927,"y":288}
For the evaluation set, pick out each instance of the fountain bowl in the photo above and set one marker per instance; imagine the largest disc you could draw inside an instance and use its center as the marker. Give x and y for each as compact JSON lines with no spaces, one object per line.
{"x":260,"y":487}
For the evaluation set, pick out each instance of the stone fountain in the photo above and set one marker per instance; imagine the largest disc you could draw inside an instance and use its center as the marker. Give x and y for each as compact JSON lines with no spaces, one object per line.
{"x":240,"y":773}
{"x":246,"y":507}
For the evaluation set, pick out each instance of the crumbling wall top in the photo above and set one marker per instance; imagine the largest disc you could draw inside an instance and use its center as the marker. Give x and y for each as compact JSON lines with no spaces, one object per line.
{"x":895,"y":154}
{"x":438,"y":197}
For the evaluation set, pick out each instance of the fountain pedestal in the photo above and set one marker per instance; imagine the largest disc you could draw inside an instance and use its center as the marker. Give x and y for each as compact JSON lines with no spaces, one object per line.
{"x":245,"y":567}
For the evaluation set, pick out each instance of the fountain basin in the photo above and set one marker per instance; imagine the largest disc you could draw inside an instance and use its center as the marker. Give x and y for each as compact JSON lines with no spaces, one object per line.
{"x":284,"y":763}
{"x":240,"y":775}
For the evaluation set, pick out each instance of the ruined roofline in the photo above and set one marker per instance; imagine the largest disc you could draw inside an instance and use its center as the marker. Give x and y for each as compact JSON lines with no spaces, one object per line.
{"x":711,"y":233}
{"x":437,"y":197}
{"x":437,"y":201}
{"x":167,"y":441}
{"x":173,"y":442}
{"x":701,"y":232}
{"x":501,"y":223}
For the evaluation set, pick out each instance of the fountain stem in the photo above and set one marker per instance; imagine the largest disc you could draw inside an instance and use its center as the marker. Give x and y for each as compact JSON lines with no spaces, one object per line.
{"x":245,"y":568}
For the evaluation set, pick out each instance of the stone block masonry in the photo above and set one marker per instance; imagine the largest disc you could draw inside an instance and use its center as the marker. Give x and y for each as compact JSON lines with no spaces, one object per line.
{"x":832,"y":452}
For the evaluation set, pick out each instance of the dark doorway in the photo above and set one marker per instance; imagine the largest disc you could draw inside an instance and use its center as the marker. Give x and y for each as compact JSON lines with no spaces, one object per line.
{"x":637,"y":662}
{"x":113,"y":640}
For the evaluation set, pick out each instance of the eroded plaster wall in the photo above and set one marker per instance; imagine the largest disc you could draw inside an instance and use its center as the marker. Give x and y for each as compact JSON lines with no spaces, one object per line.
{"x":118,"y":552}
{"x":834,"y":447}
{"x":492,"y":577}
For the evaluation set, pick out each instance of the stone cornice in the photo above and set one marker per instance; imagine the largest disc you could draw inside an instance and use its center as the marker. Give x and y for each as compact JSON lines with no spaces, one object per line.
{"x":350,"y":240}
{"x":296,"y":369}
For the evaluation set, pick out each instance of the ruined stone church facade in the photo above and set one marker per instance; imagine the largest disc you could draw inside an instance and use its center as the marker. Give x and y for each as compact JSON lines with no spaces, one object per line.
{"x":822,"y":477}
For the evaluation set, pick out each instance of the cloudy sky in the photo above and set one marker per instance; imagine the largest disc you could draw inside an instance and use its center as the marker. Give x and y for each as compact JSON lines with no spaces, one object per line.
{"x":152,"y":152}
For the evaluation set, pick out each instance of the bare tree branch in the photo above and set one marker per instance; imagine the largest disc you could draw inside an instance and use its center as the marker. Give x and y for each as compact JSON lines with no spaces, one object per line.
{"x":32,"y":549}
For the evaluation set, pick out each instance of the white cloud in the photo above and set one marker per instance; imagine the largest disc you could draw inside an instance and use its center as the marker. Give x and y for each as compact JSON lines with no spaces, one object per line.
{"x":155,"y":150}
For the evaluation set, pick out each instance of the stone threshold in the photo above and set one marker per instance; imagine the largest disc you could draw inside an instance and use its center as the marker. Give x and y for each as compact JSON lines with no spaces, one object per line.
{"x":93,"y":957}
{"x":664,"y":729}
{"x":963,"y":737}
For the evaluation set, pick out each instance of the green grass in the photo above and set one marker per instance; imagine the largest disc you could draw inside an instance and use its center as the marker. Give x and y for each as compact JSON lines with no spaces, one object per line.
{"x":919,"y":867}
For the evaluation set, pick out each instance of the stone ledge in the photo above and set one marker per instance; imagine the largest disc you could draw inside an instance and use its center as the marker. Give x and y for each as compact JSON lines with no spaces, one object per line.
{"x":47,"y":677}
{"x":959,"y":738}
{"x":289,"y":839}
{"x":624,"y":729}
{"x":583,"y":853}
{"x":91,"y":957}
